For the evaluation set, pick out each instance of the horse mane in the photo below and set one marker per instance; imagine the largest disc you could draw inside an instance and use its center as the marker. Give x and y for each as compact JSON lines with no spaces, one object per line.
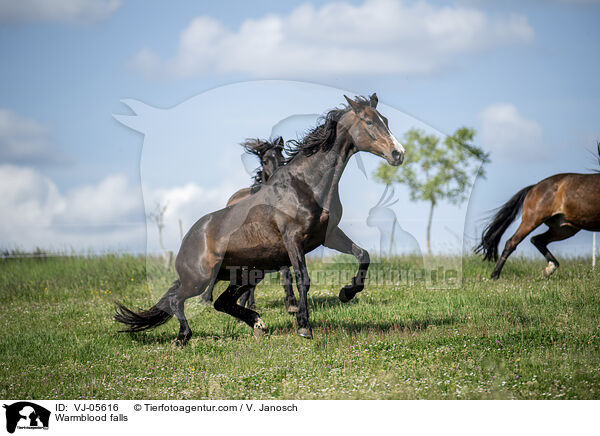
{"x":321,"y":137}
{"x":258,"y":147}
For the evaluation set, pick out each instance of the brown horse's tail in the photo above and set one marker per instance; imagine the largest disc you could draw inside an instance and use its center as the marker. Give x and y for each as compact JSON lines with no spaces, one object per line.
{"x":145,"y":319}
{"x":490,"y":238}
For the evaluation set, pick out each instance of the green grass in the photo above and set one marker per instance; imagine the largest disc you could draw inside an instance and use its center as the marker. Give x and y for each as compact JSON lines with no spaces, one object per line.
{"x":521,"y":337}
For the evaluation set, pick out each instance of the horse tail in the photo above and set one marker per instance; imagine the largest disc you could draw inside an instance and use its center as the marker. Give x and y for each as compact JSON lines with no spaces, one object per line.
{"x":490,"y":238}
{"x":146,"y":319}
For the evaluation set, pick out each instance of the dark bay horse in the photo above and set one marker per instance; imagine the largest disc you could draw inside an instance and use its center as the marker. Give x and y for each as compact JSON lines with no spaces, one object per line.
{"x":566,"y":203}
{"x":270,"y":156}
{"x":295,"y":211}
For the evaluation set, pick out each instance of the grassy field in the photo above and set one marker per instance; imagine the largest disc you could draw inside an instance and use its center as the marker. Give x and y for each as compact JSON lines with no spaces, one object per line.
{"x":521,"y":337}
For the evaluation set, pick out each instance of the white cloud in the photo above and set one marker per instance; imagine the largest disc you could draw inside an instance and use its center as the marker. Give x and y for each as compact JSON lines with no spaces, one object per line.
{"x":70,"y":11}
{"x":36,"y":214}
{"x":106,"y":215}
{"x":27,"y":198}
{"x":111,"y":202}
{"x":376,"y":37}
{"x":506,"y":132}
{"x":187,"y":203}
{"x":23,"y":140}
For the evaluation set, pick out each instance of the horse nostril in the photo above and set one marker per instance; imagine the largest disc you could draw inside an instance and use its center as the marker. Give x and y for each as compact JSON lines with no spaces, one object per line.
{"x":398,"y":157}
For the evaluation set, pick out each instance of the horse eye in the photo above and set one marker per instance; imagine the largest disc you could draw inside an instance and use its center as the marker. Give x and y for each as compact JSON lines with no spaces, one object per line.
{"x":369,"y":122}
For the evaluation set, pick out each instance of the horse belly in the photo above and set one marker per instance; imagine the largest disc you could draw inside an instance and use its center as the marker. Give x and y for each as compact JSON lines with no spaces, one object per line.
{"x":261,"y":257}
{"x":257,"y":245}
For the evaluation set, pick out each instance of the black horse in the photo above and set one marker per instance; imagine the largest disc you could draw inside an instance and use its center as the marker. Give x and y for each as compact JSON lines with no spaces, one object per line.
{"x":270,"y":156}
{"x":297,"y":210}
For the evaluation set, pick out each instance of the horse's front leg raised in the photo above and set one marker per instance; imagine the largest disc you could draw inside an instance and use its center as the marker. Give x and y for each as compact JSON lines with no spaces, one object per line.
{"x":338,"y":240}
{"x":298,"y":261}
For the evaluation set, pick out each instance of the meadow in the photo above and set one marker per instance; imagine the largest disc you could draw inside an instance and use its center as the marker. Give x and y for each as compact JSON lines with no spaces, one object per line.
{"x":522,"y":337}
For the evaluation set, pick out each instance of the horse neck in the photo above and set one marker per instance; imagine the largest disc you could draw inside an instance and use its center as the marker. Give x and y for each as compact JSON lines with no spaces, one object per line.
{"x":264,"y":176}
{"x":323,"y":170}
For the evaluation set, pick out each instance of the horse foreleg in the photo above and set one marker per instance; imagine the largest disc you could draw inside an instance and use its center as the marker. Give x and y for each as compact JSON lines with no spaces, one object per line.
{"x":338,"y":240}
{"x":554,"y":233}
{"x":298,"y":261}
{"x":290,"y":299}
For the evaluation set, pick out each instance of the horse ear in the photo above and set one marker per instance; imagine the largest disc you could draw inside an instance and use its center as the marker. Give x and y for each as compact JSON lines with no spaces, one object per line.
{"x":374,"y":100}
{"x":352,"y":104}
{"x":278,"y":142}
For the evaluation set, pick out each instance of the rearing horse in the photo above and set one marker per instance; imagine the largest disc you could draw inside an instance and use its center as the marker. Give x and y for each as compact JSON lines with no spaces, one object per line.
{"x":296,"y":211}
{"x":566,"y":203}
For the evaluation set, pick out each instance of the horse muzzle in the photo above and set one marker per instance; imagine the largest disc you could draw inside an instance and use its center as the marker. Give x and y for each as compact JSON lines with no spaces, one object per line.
{"x":396,"y":158}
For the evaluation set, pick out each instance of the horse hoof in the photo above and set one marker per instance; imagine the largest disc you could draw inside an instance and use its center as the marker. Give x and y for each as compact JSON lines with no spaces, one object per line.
{"x":259,"y":328}
{"x":182,"y":340}
{"x":346,"y":296}
{"x":495,"y":277}
{"x":305,"y":333}
{"x":549,"y":270}
{"x":292,"y":308}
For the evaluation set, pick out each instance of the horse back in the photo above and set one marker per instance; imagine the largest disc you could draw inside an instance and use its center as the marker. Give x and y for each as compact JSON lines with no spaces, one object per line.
{"x":239,"y":196}
{"x":572,"y":196}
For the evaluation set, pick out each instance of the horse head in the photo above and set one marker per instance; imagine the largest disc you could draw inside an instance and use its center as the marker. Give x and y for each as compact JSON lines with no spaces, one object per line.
{"x":369,"y":130}
{"x":270,"y":154}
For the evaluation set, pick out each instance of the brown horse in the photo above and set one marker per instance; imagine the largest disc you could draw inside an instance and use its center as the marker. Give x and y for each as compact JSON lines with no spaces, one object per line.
{"x":297,"y":210}
{"x":270,"y":155}
{"x":566,"y":203}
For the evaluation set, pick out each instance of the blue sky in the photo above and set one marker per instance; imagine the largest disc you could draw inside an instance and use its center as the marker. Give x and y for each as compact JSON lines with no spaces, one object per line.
{"x":523,"y":74}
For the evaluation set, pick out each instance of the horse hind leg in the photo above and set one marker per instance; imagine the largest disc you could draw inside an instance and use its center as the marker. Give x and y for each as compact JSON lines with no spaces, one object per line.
{"x":247,"y":299}
{"x":528,"y":224}
{"x":243,"y":300}
{"x":174,"y":300}
{"x":556,"y":232}
{"x":227,"y":303}
{"x":194,"y":281}
{"x":171,"y":303}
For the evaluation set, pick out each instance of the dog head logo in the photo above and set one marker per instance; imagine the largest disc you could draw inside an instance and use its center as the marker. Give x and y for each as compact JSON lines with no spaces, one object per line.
{"x":26,"y":415}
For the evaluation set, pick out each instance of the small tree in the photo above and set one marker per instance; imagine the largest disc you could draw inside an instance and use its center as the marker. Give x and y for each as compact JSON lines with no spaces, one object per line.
{"x":159,"y":219}
{"x":437,"y":170}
